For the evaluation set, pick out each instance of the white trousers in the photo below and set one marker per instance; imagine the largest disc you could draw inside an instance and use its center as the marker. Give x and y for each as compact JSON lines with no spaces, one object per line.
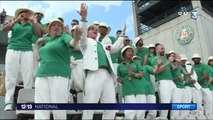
{"x":77,"y":75}
{"x":51,"y":90}
{"x":152,"y":113}
{"x":206,"y":98}
{"x":99,"y":86}
{"x":15,"y":62}
{"x":166,"y":91}
{"x":192,"y":95}
{"x":212,"y":101}
{"x":131,"y":114}
{"x":178,"y":97}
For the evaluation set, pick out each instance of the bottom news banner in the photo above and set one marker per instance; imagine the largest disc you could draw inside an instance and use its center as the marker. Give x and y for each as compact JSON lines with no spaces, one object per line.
{"x":85,"y":106}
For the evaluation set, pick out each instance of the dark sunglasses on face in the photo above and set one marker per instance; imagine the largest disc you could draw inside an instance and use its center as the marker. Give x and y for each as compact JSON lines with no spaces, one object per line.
{"x":39,"y":14}
{"x":127,"y":40}
{"x":73,"y":24}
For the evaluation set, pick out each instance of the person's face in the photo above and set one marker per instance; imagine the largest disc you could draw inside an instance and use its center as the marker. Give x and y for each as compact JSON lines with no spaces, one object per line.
{"x":128,"y":53}
{"x":211,"y":62}
{"x":196,"y":60}
{"x":56,"y":28}
{"x":103,"y":30}
{"x":24,"y":15}
{"x":119,"y":33}
{"x":92,"y":32}
{"x":39,"y":16}
{"x":126,"y":41}
{"x":139,"y":44}
{"x":161,"y":50}
{"x":73,"y":23}
{"x":183,"y":62}
{"x":151,"y":50}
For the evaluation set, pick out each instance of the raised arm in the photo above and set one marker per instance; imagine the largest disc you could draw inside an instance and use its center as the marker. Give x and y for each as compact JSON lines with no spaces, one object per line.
{"x":36,"y":27}
{"x":8,"y":26}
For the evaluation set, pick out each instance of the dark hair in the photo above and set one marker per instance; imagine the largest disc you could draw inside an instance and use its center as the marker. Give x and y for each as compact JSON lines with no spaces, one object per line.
{"x":61,"y":19}
{"x":74,"y":20}
{"x":118,"y":31}
{"x":156,"y":44}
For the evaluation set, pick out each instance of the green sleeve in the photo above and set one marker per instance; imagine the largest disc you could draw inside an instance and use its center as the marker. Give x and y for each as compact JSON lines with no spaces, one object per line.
{"x":150,"y":69}
{"x":118,"y":70}
{"x":67,"y":38}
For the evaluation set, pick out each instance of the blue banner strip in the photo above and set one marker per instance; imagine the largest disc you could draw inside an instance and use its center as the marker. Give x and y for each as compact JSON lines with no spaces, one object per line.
{"x":147,"y":106}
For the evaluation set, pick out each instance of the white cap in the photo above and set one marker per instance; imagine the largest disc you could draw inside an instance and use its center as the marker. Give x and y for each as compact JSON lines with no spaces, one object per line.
{"x":124,"y":48}
{"x":136,"y":57}
{"x":103,"y":25}
{"x":39,"y":11}
{"x":137,"y":39}
{"x":210,"y":58}
{"x":171,"y":51}
{"x":196,"y":55}
{"x":183,"y":57}
{"x":151,"y":46}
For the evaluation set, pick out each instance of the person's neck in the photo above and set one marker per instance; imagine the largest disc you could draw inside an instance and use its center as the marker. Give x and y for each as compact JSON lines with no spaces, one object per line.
{"x":102,"y":36}
{"x":127,"y":60}
{"x":196,"y":64}
{"x":24,"y":22}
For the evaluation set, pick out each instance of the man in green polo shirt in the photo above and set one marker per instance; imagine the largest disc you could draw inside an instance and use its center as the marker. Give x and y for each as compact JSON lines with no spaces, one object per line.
{"x":177,"y":73}
{"x":141,"y":51}
{"x":205,"y":94}
{"x":191,"y":93}
{"x":164,"y":78}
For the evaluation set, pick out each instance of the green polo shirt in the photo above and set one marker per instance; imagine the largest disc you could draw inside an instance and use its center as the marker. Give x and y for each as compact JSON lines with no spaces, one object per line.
{"x":21,"y":38}
{"x":210,"y":76}
{"x":142,"y":53}
{"x":35,"y":38}
{"x":178,"y":73}
{"x":200,"y":70}
{"x":102,"y":58}
{"x":149,"y":60}
{"x":114,"y":56}
{"x":132,"y":86}
{"x":187,"y":78}
{"x":147,"y":83}
{"x":77,"y":54}
{"x":164,"y":75}
{"x":55,"y":57}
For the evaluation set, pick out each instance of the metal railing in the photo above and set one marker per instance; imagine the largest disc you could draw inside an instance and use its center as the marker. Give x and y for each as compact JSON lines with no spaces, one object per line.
{"x":162,"y":18}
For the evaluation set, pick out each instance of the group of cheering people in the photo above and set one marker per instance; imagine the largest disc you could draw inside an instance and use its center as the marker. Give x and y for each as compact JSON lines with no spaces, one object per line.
{"x":88,"y":59}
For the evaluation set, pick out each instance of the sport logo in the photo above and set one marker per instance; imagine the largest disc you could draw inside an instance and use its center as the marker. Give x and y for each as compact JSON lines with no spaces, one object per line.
{"x":184,"y":34}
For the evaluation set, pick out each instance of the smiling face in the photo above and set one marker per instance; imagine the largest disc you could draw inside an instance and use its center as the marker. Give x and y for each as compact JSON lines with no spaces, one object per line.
{"x":128,"y":53}
{"x":160,"y":50}
{"x":92,"y":32}
{"x":56,"y":28}
{"x":103,"y":30}
{"x":24,"y":15}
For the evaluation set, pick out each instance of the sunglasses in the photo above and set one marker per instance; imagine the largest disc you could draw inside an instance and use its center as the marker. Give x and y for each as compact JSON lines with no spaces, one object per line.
{"x":127,"y":40}
{"x":39,"y":14}
{"x":73,"y":24}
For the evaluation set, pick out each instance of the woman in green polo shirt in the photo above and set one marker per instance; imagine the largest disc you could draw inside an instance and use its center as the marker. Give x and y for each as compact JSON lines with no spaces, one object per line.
{"x":130,"y":74}
{"x":53,"y":74}
{"x":148,"y":86}
{"x":19,"y":56}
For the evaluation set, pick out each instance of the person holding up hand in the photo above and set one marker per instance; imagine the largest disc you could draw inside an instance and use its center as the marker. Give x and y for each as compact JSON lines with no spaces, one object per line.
{"x":98,"y":66}
{"x":19,"y":56}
